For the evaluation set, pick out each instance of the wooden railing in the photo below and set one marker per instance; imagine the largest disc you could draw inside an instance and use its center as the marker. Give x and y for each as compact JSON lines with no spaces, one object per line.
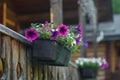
{"x":15,"y":63}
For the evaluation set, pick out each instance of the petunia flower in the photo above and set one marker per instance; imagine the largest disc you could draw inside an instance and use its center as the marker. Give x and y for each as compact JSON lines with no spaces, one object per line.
{"x":104,"y":65}
{"x":86,"y":44}
{"x":43,"y":27}
{"x":31,"y":34}
{"x":79,"y":38}
{"x":80,"y":29}
{"x":63,"y":30}
{"x":54,"y":35}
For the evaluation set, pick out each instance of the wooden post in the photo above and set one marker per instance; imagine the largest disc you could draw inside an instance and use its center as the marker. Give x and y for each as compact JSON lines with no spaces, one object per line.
{"x":56,"y":17}
{"x":15,"y":56}
{"x":87,"y":8}
{"x":3,"y":10}
{"x":93,"y":21}
{"x":56,"y":13}
{"x":82,"y":19}
{"x":6,"y":55}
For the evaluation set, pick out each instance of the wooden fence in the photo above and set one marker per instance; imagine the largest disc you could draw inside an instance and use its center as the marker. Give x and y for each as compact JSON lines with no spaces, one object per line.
{"x":15,"y":63}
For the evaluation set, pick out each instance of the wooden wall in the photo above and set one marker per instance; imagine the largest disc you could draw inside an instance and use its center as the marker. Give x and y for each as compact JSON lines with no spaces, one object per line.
{"x":104,"y":8}
{"x":8,"y":17}
{"x":16,"y":64}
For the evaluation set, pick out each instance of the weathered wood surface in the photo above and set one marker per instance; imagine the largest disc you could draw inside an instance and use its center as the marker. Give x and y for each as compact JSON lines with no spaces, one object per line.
{"x":56,"y":12}
{"x":22,"y":60}
{"x":5,"y":55}
{"x":13,"y":34}
{"x":15,"y":52}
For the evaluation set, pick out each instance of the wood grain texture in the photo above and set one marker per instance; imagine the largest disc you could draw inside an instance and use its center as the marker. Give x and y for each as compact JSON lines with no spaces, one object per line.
{"x":6,"y":55}
{"x":15,"y":56}
{"x":29,"y":68}
{"x":36,"y":69}
{"x":56,"y":12}
{"x":13,"y":34}
{"x":23,"y":59}
{"x":40,"y":72}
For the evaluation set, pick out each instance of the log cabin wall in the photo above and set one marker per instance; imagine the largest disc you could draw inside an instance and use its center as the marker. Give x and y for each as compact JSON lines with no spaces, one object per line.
{"x":15,"y":63}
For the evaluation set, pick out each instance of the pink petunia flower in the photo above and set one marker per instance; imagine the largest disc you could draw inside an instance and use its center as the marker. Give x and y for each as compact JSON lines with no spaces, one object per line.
{"x":80,"y":29}
{"x":63,"y":30}
{"x":104,"y":65}
{"x":31,"y":34}
{"x":43,"y":27}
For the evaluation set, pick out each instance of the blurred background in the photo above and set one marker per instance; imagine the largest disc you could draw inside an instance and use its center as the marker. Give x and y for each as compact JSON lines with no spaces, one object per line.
{"x":103,"y":36}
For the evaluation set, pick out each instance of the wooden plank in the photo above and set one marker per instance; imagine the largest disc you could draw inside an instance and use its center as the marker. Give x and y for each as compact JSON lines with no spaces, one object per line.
{"x":0,"y":44}
{"x":29,"y":67}
{"x":7,"y":16}
{"x":40,"y":72}
{"x":23,"y":59}
{"x":4,"y":13}
{"x":10,"y":22}
{"x":15,"y":56}
{"x":50,"y":73}
{"x":46,"y":72}
{"x":113,"y":57}
{"x":13,"y":34}
{"x":10,"y":14}
{"x":6,"y":55}
{"x":36,"y":69}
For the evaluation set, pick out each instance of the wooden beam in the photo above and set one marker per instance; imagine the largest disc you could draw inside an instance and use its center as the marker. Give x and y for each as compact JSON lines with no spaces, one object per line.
{"x":10,"y":23}
{"x":33,"y":17}
{"x":56,"y":11}
{"x":45,"y":16}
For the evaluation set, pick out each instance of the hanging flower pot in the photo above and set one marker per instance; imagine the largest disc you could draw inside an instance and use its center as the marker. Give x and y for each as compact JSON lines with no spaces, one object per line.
{"x":53,"y":45}
{"x":88,"y":72}
{"x":89,"y":67}
{"x":50,"y":52}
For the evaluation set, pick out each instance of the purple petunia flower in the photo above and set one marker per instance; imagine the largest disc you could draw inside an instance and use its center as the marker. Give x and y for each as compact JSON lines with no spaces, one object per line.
{"x":54,"y":35}
{"x":31,"y":34}
{"x":63,"y":30}
{"x":104,"y":65}
{"x":78,"y":39}
{"x":80,"y":29}
{"x":86,"y":44}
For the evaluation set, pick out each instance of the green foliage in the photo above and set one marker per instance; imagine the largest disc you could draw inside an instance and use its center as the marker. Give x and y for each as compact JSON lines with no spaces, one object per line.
{"x":116,"y":6}
{"x":46,"y":34}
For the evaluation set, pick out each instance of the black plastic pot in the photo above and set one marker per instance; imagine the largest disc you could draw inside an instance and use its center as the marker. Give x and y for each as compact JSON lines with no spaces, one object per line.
{"x":50,"y":52}
{"x":87,"y":73}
